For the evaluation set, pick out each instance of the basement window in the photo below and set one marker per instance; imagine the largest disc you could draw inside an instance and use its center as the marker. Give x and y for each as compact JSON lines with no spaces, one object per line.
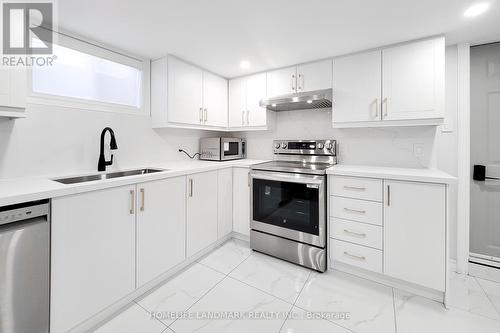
{"x":86,"y":76}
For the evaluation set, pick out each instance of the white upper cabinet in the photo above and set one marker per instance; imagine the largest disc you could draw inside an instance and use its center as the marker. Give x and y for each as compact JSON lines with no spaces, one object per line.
{"x":304,"y":77}
{"x":185,"y":93}
{"x":245,"y":94}
{"x":396,"y":86}
{"x":314,"y":76}
{"x":357,"y":87}
{"x":413,"y":80}
{"x":282,"y":81}
{"x":214,"y":100}
{"x":13,"y":88}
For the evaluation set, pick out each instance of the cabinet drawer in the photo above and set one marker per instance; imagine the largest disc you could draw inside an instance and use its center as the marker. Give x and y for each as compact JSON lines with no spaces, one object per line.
{"x":356,"y":255}
{"x":355,"y":232}
{"x":356,"y":210}
{"x":358,"y":188}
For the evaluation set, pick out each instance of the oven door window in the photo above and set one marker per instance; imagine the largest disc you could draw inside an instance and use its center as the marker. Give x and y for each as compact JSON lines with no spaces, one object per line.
{"x":231,"y":148}
{"x":289,"y":205}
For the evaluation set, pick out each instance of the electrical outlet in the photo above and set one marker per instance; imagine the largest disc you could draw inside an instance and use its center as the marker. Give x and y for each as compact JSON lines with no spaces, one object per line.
{"x":418,"y":150}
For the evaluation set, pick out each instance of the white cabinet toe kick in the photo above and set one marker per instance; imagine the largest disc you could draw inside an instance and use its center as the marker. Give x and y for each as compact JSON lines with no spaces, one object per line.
{"x":391,"y":231}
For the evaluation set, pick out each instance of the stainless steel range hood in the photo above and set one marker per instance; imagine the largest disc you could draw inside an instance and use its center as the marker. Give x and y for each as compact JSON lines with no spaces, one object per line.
{"x":299,"y":101}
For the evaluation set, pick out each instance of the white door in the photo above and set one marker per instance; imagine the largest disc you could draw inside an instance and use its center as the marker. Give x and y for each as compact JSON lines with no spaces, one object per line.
{"x":241,"y":201}
{"x":256,"y":91}
{"x":413,"y":80}
{"x":415,"y":232}
{"x":214,"y":100}
{"x":357,"y":85}
{"x":282,"y":81}
{"x":202,"y":206}
{"x":161,"y":227}
{"x":13,"y":87}
{"x":185,"y":90}
{"x":314,"y":76}
{"x":237,"y":102}
{"x":92,"y":254}
{"x":485,"y":150}
{"x":225,"y":202}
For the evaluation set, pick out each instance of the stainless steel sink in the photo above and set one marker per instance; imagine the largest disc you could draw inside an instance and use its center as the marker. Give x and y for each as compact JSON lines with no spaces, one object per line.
{"x":103,"y":176}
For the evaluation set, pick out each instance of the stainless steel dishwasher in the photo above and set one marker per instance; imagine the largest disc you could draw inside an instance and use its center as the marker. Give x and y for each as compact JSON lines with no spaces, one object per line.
{"x":24,"y":268}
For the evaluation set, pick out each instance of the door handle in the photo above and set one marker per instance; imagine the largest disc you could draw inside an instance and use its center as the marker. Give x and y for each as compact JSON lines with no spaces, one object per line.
{"x":142,"y":199}
{"x":376,"y":108}
{"x":132,"y":203}
{"x":249,"y":180}
{"x":248,"y":117}
{"x":190,"y":187}
{"x":385,"y":106}
{"x":201,"y":115}
{"x":293,"y":83}
{"x":355,"y":210}
{"x":205,"y":115}
{"x":388,"y":195}
{"x":243,"y":118}
{"x":300,"y":82}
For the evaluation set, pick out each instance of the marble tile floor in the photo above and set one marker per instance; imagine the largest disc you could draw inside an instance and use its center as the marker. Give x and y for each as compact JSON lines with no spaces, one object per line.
{"x":234,"y":289}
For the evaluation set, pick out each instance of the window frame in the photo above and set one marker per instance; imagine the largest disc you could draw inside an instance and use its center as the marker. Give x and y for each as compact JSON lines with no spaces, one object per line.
{"x":84,"y":104}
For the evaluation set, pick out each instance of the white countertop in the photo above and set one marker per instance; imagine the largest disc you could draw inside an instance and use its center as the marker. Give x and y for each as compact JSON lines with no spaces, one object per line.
{"x":19,"y":190}
{"x":408,"y":174}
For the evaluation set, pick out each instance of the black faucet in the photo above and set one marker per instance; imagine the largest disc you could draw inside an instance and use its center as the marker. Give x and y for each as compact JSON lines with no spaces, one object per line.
{"x":102,"y":160}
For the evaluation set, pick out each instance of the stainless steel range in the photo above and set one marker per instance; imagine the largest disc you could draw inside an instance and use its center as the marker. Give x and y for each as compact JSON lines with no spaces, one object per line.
{"x":288,"y":202}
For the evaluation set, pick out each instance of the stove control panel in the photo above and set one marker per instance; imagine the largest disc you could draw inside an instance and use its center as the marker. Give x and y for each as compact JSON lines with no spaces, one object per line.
{"x":305,"y":147}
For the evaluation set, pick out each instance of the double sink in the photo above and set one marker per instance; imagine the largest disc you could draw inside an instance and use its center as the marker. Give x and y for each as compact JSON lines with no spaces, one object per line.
{"x":104,"y":176}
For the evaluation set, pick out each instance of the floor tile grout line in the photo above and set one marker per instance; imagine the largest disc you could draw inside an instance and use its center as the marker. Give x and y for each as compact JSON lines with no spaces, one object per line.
{"x":149,"y":313}
{"x":295,"y":301}
{"x":394,"y":310}
{"x":487,"y":295}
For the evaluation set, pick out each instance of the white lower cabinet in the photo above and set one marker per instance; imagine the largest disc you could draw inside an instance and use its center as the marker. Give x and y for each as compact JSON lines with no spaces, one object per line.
{"x":225,"y":202}
{"x":202,"y":207}
{"x":161,"y":227}
{"x":356,"y":255}
{"x":92,"y":254}
{"x":415,"y":232}
{"x":241,"y":201}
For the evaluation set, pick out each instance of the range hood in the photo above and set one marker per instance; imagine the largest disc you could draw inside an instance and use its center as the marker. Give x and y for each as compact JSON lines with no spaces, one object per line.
{"x":299,"y":101}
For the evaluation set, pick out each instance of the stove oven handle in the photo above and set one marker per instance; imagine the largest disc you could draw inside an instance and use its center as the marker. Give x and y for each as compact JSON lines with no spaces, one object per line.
{"x":291,"y":178}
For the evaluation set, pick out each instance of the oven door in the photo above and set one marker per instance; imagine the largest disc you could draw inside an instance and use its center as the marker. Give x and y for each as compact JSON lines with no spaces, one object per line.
{"x":289,"y":205}
{"x":230,"y":149}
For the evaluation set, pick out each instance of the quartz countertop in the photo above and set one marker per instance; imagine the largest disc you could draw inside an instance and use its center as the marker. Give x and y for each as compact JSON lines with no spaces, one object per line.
{"x":17,"y":190}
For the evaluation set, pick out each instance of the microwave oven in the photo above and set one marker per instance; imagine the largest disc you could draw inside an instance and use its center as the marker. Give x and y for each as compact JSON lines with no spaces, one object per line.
{"x":222,"y":149}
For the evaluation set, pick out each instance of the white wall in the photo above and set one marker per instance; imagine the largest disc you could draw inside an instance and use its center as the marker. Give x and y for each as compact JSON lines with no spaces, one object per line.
{"x":377,"y":146}
{"x":58,"y":141}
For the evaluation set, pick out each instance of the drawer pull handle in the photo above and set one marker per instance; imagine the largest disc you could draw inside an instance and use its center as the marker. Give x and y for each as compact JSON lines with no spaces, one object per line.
{"x":354,"y":256}
{"x":355,"y":210}
{"x":359,"y":234}
{"x":355,"y":188}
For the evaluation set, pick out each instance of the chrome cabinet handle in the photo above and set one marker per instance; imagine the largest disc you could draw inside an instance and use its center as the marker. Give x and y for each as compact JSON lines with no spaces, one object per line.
{"x":142,"y":199}
{"x":249,"y":181}
{"x":359,"y":234}
{"x":201,"y":115}
{"x":293,"y":83}
{"x":385,"y":106}
{"x":243,"y":117}
{"x":354,"y":256}
{"x":300,"y":82}
{"x":205,"y":117}
{"x":355,"y":188}
{"x":248,"y":116}
{"x":132,"y":204}
{"x":190,"y":187}
{"x":388,"y":195}
{"x":376,"y":108}
{"x":355,"y":210}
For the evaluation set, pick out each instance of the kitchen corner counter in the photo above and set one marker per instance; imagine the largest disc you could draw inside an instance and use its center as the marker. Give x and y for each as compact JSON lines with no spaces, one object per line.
{"x":406,"y":174}
{"x":18,"y":190}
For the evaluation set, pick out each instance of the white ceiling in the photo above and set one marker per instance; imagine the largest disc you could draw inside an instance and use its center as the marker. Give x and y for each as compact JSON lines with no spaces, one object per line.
{"x":218,"y":34}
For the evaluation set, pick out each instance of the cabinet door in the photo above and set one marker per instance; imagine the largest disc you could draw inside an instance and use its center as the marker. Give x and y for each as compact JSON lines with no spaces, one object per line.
{"x":161,"y":227}
{"x":314,"y":76}
{"x":237,"y":102}
{"x":225,"y":202}
{"x":201,"y":211}
{"x":92,"y":254}
{"x":413,"y":80}
{"x":214,"y":100}
{"x":357,"y":87}
{"x":282,"y":81}
{"x":256,"y":90}
{"x":13,"y":87}
{"x":241,"y":201}
{"x":415,"y":232}
{"x":185,"y":89}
